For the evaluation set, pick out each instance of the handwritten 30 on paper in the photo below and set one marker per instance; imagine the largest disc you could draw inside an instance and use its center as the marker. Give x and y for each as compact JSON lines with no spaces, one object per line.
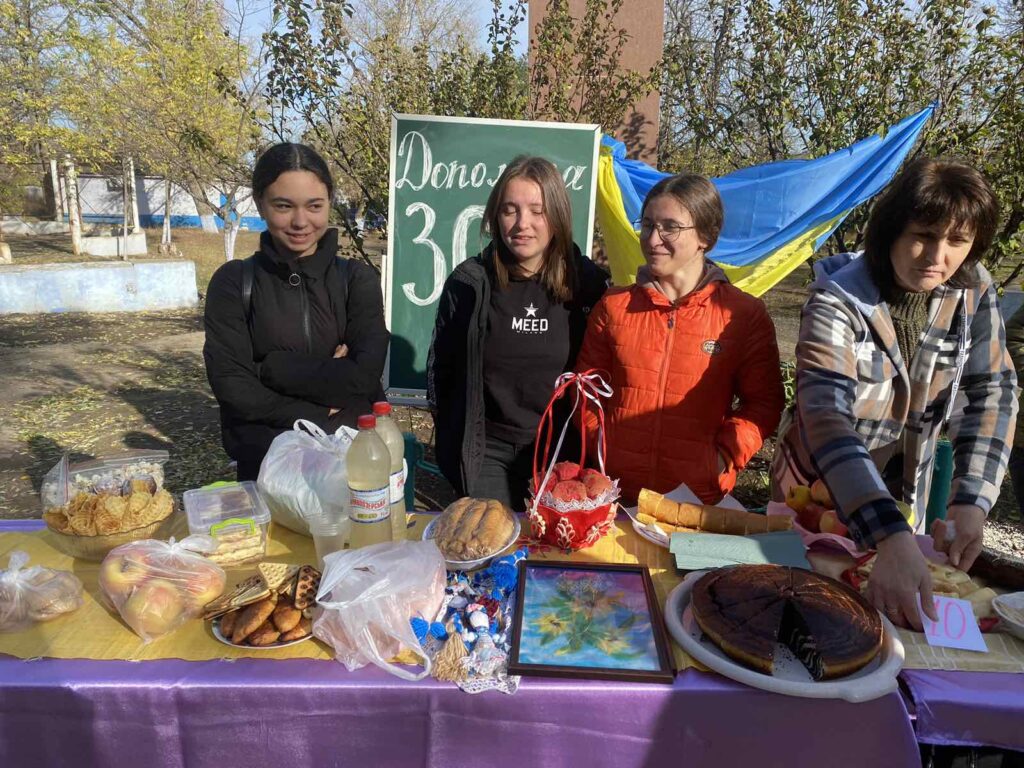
{"x":956,"y":627}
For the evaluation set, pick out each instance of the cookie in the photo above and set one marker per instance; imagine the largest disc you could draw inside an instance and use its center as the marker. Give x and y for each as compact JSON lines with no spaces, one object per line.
{"x":286,"y":616}
{"x":303,"y":628}
{"x":249,"y":591}
{"x":252,"y":617}
{"x":306,"y":587}
{"x":227,"y":623}
{"x":265,"y":634}
{"x":276,"y":575}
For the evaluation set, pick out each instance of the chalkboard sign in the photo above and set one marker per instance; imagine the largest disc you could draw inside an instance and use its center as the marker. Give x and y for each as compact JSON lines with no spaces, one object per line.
{"x":442,"y":170}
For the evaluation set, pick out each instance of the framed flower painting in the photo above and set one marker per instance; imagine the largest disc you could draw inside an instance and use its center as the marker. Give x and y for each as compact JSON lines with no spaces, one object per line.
{"x":588,"y":620}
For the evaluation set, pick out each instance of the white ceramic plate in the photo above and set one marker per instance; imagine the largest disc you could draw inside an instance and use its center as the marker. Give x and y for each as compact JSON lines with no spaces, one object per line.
{"x":1010,"y":608}
{"x":789,"y":676}
{"x":471,"y":565}
{"x":217,"y":633}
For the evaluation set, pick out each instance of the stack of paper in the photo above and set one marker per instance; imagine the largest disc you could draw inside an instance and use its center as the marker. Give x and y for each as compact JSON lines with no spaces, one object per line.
{"x":696,"y":551}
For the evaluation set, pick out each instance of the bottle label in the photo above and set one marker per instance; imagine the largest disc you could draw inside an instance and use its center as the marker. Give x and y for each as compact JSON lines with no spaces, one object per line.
{"x":369,"y":506}
{"x":398,"y":484}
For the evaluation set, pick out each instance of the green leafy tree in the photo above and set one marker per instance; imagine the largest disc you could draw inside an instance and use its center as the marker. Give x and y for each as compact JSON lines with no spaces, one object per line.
{"x":757,"y":81}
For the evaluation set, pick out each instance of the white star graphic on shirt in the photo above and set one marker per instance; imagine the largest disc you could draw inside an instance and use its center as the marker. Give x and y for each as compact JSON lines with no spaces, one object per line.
{"x":531,"y":311}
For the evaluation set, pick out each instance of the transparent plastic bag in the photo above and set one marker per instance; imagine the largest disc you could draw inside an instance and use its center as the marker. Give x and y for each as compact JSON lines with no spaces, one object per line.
{"x":303,"y":475}
{"x":28,"y":595}
{"x":370,"y":595}
{"x":156,"y":586}
{"x":106,"y":475}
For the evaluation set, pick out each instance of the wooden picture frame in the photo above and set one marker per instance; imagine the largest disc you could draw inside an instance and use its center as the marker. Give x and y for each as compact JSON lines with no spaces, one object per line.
{"x":588,"y":620}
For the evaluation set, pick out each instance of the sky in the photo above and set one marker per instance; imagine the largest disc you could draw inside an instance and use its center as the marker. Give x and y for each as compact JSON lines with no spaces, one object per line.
{"x":258,"y":14}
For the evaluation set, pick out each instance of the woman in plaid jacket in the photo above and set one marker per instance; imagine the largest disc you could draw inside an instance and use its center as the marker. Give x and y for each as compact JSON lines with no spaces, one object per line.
{"x":895,"y":345}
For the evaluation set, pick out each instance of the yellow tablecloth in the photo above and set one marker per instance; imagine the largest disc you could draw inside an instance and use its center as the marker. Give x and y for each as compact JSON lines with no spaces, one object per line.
{"x":96,"y":632}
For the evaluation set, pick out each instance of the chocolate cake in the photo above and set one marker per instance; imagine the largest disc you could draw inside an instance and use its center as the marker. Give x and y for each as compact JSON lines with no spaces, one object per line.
{"x":746,"y":610}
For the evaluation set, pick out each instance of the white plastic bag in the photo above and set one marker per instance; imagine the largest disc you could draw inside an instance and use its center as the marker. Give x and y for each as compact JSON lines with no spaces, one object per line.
{"x":28,"y":595}
{"x":303,"y":475}
{"x":369,"y":596}
{"x":156,"y":586}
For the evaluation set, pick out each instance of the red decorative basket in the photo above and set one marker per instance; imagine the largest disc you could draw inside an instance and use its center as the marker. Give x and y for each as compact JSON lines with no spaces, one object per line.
{"x":577,"y":524}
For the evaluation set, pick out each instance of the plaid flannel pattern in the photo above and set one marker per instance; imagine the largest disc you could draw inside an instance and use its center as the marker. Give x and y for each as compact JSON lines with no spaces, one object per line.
{"x":857,"y":405}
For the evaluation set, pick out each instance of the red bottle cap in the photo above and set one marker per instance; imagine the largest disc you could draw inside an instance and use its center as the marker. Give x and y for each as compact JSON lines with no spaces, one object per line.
{"x":367,"y":421}
{"x":382,"y":408}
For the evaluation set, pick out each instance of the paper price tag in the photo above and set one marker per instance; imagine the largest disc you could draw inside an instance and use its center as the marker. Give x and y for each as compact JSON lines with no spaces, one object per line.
{"x":956,"y":627}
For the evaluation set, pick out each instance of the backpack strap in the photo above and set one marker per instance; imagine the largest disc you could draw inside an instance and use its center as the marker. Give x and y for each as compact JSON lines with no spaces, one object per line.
{"x":248,"y":277}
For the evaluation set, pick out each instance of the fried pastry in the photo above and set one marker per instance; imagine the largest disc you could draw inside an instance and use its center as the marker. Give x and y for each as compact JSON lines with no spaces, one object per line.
{"x":227,"y":623}
{"x":286,"y":617}
{"x":303,"y":628}
{"x":265,"y":634}
{"x":252,"y":617}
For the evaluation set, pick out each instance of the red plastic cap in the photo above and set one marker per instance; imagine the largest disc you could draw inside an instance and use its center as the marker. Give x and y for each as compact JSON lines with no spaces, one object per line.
{"x":367,"y":421}
{"x":382,"y":408}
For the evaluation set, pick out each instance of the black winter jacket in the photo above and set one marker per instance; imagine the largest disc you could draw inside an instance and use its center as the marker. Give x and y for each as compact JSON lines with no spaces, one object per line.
{"x":455,"y":389}
{"x":271,"y":362}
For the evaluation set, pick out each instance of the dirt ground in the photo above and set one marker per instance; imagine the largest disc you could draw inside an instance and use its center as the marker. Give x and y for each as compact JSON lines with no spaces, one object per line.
{"x":93,"y":384}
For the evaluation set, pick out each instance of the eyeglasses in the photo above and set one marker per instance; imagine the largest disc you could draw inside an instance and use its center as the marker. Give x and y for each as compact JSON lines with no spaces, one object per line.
{"x":669,"y":232}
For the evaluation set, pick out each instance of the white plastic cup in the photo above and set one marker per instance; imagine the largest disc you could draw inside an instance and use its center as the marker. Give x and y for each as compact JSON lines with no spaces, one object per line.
{"x":328,"y":536}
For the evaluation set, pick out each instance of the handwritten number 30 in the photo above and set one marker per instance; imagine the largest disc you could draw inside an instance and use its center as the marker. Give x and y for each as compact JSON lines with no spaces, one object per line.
{"x":460,"y":233}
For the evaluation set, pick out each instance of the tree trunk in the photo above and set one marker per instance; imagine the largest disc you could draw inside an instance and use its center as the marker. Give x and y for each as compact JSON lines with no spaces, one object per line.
{"x":165,"y":239}
{"x":206,"y":209}
{"x":126,"y":209}
{"x":231,"y":226}
{"x":58,"y":200}
{"x":73,"y":211}
{"x":133,"y":197}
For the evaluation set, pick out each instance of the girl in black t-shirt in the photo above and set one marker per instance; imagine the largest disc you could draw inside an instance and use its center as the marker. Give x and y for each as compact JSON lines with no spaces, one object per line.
{"x":509,"y":321}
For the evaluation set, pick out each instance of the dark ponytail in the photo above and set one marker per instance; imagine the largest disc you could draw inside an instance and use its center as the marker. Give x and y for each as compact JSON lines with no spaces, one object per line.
{"x":284,"y":157}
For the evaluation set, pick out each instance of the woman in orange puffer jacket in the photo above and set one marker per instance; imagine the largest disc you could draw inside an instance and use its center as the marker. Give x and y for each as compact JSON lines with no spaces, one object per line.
{"x":693,"y":361}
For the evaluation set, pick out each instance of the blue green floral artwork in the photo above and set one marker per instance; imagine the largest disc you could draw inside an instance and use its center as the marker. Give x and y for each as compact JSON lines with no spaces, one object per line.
{"x":582,"y":618}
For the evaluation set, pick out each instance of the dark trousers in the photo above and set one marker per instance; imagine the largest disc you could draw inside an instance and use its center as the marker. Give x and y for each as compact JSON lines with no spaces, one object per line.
{"x":505,"y":473}
{"x":248,"y":470}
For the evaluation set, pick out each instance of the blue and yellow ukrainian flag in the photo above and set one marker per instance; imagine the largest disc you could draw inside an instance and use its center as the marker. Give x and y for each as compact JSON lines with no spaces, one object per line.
{"x":776,"y":215}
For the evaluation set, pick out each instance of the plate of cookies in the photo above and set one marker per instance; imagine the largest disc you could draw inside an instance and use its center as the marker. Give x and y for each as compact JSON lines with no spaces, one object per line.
{"x":273,"y":609}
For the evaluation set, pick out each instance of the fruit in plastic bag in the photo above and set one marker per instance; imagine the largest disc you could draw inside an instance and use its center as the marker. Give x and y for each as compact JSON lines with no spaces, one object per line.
{"x":157,"y":586}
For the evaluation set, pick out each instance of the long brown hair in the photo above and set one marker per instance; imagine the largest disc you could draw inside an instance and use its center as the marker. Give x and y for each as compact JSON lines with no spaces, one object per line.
{"x":558,"y":273}
{"x":932,"y":191}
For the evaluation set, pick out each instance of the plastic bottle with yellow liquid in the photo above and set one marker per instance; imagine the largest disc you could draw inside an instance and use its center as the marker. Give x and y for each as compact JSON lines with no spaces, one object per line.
{"x":368,"y":463}
{"x":392,"y":437}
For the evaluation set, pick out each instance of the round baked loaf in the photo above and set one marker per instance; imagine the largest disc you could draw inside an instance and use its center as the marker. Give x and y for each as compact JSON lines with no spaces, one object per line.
{"x":470,"y":529}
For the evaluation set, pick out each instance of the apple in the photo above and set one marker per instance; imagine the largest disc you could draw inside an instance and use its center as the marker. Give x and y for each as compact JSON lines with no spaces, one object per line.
{"x":154,"y":608}
{"x":830,"y":523}
{"x":119,"y":575}
{"x":798,"y":497}
{"x":205,"y":585}
{"x":820,"y":494}
{"x":810,"y":516}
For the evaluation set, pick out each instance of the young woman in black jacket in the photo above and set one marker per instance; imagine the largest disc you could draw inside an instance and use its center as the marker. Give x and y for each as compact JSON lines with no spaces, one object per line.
{"x":294,"y":331}
{"x":509,"y":321}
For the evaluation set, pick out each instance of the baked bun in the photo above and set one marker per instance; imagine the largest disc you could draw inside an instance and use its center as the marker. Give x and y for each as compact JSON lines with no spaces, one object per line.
{"x":470,"y":529}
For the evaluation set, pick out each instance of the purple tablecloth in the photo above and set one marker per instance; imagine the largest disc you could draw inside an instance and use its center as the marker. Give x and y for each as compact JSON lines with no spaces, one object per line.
{"x":980,"y":709}
{"x":261,"y":712}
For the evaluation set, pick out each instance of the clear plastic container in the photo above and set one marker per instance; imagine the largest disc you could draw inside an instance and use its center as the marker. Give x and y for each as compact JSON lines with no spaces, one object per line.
{"x":234,"y":515}
{"x":106,"y":474}
{"x":328,"y":536}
